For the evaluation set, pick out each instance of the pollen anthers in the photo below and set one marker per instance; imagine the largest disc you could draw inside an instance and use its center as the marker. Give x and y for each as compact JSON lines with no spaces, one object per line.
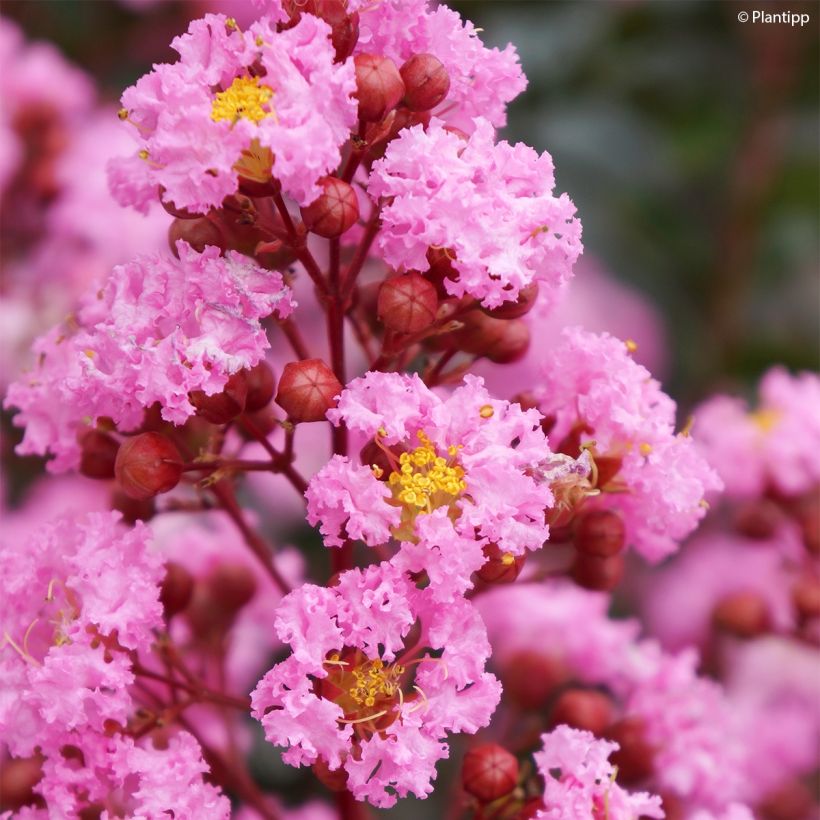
{"x":245,"y":98}
{"x":425,"y":480}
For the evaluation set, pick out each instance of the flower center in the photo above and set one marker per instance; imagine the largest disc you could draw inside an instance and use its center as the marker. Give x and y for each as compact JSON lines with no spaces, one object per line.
{"x":243,"y":99}
{"x":425,"y":480}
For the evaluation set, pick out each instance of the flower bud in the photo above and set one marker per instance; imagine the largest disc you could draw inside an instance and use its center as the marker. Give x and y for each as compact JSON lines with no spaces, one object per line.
{"x":170,"y":208}
{"x":176,"y":589}
{"x":307,"y":390}
{"x":334,"y":211}
{"x":198,"y":233}
{"x":744,"y":614}
{"x":220,"y":408}
{"x":146,"y":465}
{"x":217,"y":599}
{"x":344,"y":27}
{"x":98,"y":454}
{"x":379,"y":86}
{"x":133,"y":510}
{"x":501,"y":567}
{"x":596,"y":572}
{"x":806,"y":598}
{"x":489,"y":771}
{"x":501,"y":341}
{"x":407,"y":303}
{"x":635,"y":758}
{"x":441,"y":269}
{"x":585,"y":709}
{"x":530,"y":677}
{"x":527,"y":297}
{"x":599,"y":532}
{"x":18,"y":777}
{"x":792,"y":799}
{"x":758,"y":519}
{"x":259,"y":423}
{"x":260,"y":384}
{"x":232,"y":586}
{"x":426,"y":82}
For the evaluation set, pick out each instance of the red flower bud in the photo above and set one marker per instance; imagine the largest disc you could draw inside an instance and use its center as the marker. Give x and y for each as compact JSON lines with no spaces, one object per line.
{"x":198,"y":233}
{"x":583,"y":709}
{"x":599,"y":532}
{"x":758,"y":519}
{"x":176,"y":589}
{"x":132,"y":509}
{"x":530,"y":677}
{"x":334,"y":211}
{"x":596,"y":572}
{"x":146,"y":465}
{"x":501,"y":567}
{"x":18,"y":777}
{"x":806,"y":597}
{"x":489,"y":771}
{"x":344,"y":27}
{"x":170,"y":208}
{"x":441,"y":269}
{"x":261,"y":384}
{"x":426,"y":82}
{"x":220,"y":408}
{"x":99,"y":452}
{"x":217,"y":600}
{"x":407,"y":303}
{"x":499,"y":340}
{"x":307,"y":390}
{"x":527,"y":297}
{"x":259,"y":423}
{"x":232,"y":586}
{"x":635,"y":758}
{"x":743,"y":614}
{"x":379,"y":86}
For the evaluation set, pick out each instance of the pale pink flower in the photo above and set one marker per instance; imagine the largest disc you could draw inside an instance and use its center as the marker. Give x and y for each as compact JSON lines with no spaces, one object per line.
{"x":771,"y":446}
{"x":159,"y":328}
{"x":356,"y":677}
{"x":491,"y":205}
{"x":601,"y":398}
{"x":579,"y":780}
{"x":207,"y":118}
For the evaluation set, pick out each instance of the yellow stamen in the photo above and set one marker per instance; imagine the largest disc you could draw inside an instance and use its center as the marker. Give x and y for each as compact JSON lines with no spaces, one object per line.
{"x":631,"y":345}
{"x":645,"y":449}
{"x":243,"y":99}
{"x":486,"y":411}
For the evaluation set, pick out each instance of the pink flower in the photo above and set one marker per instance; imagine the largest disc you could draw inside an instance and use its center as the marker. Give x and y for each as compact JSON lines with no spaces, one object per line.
{"x":467,"y":462}
{"x":207,"y":119}
{"x":491,"y":205}
{"x":599,"y":395}
{"x":158,"y":329}
{"x":586,"y":786}
{"x":79,"y":594}
{"x":363,"y":693}
{"x":770,"y":446}
{"x":482,"y":80}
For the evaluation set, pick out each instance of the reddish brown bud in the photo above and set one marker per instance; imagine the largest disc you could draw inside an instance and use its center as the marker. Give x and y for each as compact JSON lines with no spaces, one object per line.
{"x":379,"y":86}
{"x":334,"y":211}
{"x":489,"y":771}
{"x":217,"y":599}
{"x":426,"y":82}
{"x":499,"y":340}
{"x":220,"y":408}
{"x":792,"y":800}
{"x":232,"y":586}
{"x":595,"y":572}
{"x":744,"y":614}
{"x":583,"y":709}
{"x":599,"y":532}
{"x":176,"y":589}
{"x":99,"y":452}
{"x":525,"y":302}
{"x":198,"y":233}
{"x":806,"y":597}
{"x":307,"y":390}
{"x":635,"y":758}
{"x":18,"y":777}
{"x":758,"y":519}
{"x":344,"y":27}
{"x":530,"y":677}
{"x":407,"y":303}
{"x":133,"y":509}
{"x":259,"y":423}
{"x":335,"y":780}
{"x":261,"y":384}
{"x":146,"y":465}
{"x":501,"y":567}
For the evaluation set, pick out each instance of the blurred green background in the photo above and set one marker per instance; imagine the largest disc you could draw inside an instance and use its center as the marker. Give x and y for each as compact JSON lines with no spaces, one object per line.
{"x":687,"y":139}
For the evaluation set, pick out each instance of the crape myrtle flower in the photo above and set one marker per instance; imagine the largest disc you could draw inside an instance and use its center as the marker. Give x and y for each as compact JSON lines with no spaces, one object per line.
{"x":158,"y":329}
{"x":260,"y":104}
{"x":379,"y":674}
{"x":462,"y":471}
{"x":490,"y":205}
{"x":771,"y":447}
{"x":581,"y":782}
{"x":601,"y":400}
